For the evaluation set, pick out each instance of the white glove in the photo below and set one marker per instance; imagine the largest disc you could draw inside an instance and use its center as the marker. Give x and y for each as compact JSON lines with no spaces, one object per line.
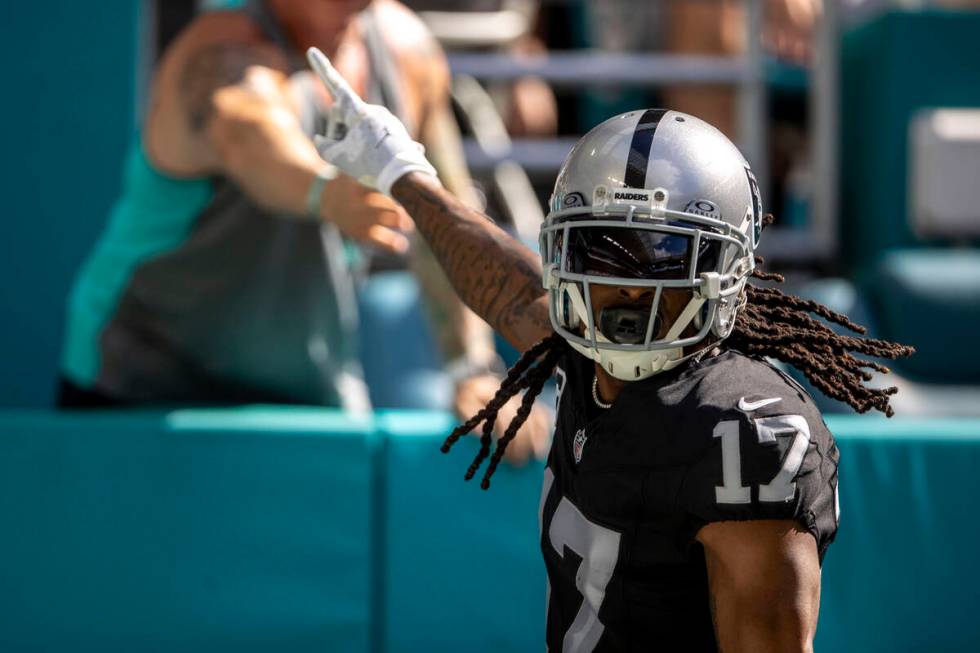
{"x":364,"y":140}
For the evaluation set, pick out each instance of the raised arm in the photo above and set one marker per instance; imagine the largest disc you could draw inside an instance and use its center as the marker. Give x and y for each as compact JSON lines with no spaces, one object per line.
{"x":499,"y":278}
{"x":222,"y":104}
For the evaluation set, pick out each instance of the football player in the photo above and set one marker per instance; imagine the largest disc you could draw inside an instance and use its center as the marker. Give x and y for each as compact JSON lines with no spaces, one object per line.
{"x":691,"y":489}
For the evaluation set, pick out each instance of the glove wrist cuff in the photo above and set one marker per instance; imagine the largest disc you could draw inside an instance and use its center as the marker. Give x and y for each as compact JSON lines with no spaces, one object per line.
{"x":396,"y":169}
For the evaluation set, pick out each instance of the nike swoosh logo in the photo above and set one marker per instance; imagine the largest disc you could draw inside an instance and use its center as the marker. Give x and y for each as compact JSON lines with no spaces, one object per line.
{"x":749,"y":406}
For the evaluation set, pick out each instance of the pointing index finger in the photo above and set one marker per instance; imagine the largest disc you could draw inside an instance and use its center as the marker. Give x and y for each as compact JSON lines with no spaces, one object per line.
{"x":338,"y":87}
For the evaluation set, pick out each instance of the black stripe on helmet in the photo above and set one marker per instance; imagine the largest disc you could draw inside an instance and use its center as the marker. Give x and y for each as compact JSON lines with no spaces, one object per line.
{"x":639,"y":156}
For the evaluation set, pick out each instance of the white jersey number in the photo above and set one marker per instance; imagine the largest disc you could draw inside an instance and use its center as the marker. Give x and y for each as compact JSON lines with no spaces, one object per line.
{"x":782,"y":487}
{"x":599,"y":549}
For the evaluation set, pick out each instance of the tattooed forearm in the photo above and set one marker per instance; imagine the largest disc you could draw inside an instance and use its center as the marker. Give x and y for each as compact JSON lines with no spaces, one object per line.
{"x":496,"y":276}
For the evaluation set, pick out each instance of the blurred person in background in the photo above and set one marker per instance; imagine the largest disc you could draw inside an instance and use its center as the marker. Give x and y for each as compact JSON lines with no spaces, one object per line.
{"x":222,"y":276}
{"x":527,"y":105}
{"x":717,"y":27}
{"x":699,"y":27}
{"x":713,"y":28}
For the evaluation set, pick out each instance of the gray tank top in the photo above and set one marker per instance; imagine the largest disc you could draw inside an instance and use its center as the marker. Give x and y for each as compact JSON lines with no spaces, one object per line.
{"x":250,"y":307}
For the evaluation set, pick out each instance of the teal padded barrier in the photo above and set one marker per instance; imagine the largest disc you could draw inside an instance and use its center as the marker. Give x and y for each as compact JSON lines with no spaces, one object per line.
{"x":73,"y":65}
{"x":301,"y":529}
{"x":890,"y":68}
{"x":229,"y":531}
{"x":904,"y":574}
{"x":931,"y":299}
{"x":463,"y":569}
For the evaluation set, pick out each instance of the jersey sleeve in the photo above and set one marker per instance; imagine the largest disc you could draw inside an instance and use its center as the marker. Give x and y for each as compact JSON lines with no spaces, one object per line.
{"x":761,"y":460}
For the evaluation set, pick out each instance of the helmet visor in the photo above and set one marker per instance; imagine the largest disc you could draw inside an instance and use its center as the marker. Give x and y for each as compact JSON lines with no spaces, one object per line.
{"x":636,"y":253}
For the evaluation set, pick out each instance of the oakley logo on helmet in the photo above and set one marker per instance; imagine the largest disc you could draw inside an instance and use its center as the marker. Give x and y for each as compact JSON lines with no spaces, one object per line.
{"x":573,"y":199}
{"x":568,"y":201}
{"x":703,"y":207}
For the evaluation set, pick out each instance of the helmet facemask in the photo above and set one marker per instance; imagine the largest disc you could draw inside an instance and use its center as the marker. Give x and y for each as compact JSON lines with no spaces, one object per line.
{"x":649,"y":247}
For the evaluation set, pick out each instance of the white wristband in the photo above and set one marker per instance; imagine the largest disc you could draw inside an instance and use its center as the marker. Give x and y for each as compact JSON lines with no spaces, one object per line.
{"x":313,"y":195}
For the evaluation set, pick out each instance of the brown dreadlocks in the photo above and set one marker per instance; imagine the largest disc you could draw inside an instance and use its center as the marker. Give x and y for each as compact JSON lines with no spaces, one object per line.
{"x":771,"y":324}
{"x":522,"y":375}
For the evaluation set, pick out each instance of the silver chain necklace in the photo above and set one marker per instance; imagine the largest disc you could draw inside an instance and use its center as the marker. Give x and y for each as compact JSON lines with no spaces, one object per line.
{"x":595,"y":394}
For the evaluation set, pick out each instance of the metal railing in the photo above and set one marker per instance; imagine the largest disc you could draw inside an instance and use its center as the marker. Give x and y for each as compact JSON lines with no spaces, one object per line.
{"x":598,"y":69}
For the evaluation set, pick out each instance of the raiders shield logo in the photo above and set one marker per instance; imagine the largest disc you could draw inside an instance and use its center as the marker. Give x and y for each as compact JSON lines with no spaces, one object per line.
{"x":578,"y":444}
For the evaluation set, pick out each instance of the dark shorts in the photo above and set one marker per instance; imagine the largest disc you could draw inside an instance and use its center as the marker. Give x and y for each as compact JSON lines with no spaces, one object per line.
{"x":72,"y":397}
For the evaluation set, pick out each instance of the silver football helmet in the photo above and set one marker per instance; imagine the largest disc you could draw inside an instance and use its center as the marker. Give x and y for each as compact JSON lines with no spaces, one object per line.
{"x":654,"y":199}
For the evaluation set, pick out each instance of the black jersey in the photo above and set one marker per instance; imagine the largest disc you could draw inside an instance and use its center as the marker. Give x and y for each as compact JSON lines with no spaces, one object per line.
{"x":627,"y":489}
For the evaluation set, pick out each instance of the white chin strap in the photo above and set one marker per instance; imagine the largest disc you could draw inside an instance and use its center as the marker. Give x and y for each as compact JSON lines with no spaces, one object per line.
{"x":631,"y":365}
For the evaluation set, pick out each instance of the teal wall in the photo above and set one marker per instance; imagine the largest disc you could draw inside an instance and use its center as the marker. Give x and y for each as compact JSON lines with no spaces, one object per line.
{"x":299,"y":530}
{"x":891,"y":68}
{"x":67,"y":114}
